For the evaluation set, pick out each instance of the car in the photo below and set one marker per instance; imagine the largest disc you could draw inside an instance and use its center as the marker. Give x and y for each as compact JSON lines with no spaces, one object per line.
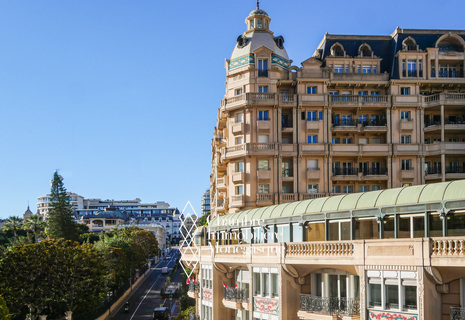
{"x":161,"y":313}
{"x":164,"y":270}
{"x":168,"y":258}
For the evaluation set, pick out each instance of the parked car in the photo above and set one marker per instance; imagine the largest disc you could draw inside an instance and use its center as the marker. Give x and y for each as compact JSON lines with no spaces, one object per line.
{"x":164,"y":270}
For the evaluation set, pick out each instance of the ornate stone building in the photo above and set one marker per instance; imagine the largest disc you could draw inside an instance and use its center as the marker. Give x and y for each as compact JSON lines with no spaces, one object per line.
{"x":362,"y":113}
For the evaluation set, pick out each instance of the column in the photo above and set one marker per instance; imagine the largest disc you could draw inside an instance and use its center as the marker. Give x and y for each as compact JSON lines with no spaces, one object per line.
{"x":295,"y":175}
{"x":436,"y":65}
{"x":388,"y":125}
{"x":327,"y":126}
{"x":278,"y":113}
{"x":443,"y":165}
{"x":417,"y":67}
{"x":442,"y":122}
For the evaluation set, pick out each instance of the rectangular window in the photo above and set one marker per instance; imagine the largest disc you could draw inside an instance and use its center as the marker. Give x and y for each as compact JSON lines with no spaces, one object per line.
{"x":274,"y":285}
{"x":336,"y":189}
{"x":405,"y":91}
{"x":312,"y":164}
{"x":411,"y":65}
{"x":348,"y":189}
{"x":366,"y":228}
{"x":311,"y":116}
{"x":406,"y":164}
{"x":312,"y":139}
{"x":263,"y":138}
{"x":375,"y":187}
{"x":312,"y":90}
{"x":406,"y":139}
{"x":239,"y":166}
{"x":338,"y":69}
{"x":239,"y":140}
{"x":262,"y":67}
{"x":263,"y":89}
{"x":239,"y":190}
{"x":366,"y":69}
{"x":312,"y":188}
{"x":263,"y":165}
{"x":346,"y":140}
{"x":263,"y":115}
{"x":238,"y":91}
{"x":363,"y":188}
{"x":263,"y":188}
{"x":257,"y":284}
{"x":239,"y":117}
{"x":405,"y":115}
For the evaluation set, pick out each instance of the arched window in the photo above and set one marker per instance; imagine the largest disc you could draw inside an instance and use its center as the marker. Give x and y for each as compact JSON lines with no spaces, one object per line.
{"x":409,"y":44}
{"x":450,"y":43}
{"x":337,"y":50}
{"x":365,"y":51}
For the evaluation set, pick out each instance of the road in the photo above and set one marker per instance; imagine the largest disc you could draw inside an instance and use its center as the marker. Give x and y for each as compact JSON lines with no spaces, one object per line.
{"x":147,"y":296}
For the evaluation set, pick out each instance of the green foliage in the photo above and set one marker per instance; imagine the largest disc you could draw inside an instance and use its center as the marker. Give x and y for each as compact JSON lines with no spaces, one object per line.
{"x":184,"y":315}
{"x":186,"y":302}
{"x":52,"y":276}
{"x":13,"y":224}
{"x":36,"y":224}
{"x":61,"y":224}
{"x":4,"y":312}
{"x":203,"y":220}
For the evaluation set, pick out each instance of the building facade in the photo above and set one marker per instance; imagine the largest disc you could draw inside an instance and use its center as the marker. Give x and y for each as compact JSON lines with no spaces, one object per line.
{"x":135,"y":212}
{"x":205,"y":203}
{"x":363,"y":113}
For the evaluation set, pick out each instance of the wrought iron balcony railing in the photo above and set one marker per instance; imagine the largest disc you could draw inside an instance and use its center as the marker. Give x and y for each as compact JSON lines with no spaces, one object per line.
{"x":193,"y":287}
{"x":330,"y":306}
{"x":236,"y":294}
{"x":345,"y":171}
{"x":374,"y":172}
{"x":457,"y":313}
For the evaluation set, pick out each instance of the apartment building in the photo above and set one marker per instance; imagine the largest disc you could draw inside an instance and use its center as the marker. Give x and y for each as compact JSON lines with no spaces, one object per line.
{"x":364,"y":113}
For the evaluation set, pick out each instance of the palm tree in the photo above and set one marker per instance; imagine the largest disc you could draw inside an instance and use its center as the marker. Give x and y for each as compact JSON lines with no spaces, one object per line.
{"x":13,"y":223}
{"x":34,"y":223}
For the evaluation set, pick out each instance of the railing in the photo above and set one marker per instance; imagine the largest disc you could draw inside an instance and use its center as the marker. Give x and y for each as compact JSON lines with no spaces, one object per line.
{"x":289,"y":196}
{"x":432,"y":123}
{"x":193,"y":316}
{"x":260,"y":146}
{"x":286,"y":98}
{"x":374,"y":123}
{"x":286,"y":124}
{"x":448,"y":247}
{"x":455,"y":169}
{"x":193,"y":287}
{"x":345,"y":171}
{"x":288,"y":173}
{"x":236,"y":294}
{"x":264,"y":196}
{"x":433,"y":170}
{"x":374,"y":172}
{"x":345,"y":123}
{"x":450,"y":74}
{"x":306,"y":196}
{"x":457,"y":313}
{"x":238,"y":198}
{"x":330,"y":306}
{"x":320,"y":249}
{"x":260,"y":96}
{"x":355,"y":99}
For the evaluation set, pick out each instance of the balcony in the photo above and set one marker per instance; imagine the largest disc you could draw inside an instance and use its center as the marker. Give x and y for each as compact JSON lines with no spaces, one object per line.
{"x":349,"y":173}
{"x":407,"y":148}
{"x":374,"y":174}
{"x":238,"y":177}
{"x":313,"y":174}
{"x":261,"y":98}
{"x":288,"y":197}
{"x":221,"y":183}
{"x":312,"y":99}
{"x":307,"y":196}
{"x":220,"y":205}
{"x":313,"y":125}
{"x":445,"y":147}
{"x":264,"y":199}
{"x":406,"y":100}
{"x":344,"y":149}
{"x":237,"y":128}
{"x":248,"y":149}
{"x":236,"y":201}
{"x":406,"y":125}
{"x":359,"y":100}
{"x":289,"y":148}
{"x":338,"y":307}
{"x":312,"y":149}
{"x":407,"y":174}
{"x":374,"y":149}
{"x":263,"y":125}
{"x":457,"y":313}
{"x":264,"y":174}
{"x":287,"y":100}
{"x":345,"y":125}
{"x":444,"y":98}
{"x":287,"y":173}
{"x":360,"y":76}
{"x":193,"y":290}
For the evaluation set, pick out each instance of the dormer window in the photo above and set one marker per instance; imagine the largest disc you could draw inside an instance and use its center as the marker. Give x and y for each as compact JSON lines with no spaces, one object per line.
{"x":337,"y":50}
{"x":365,"y":51}
{"x":259,"y":23}
{"x":409,"y":44}
{"x":279,"y":42}
{"x":450,"y":43}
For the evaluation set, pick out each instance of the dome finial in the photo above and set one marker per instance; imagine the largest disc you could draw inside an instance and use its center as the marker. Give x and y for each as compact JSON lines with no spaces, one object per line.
{"x":258,"y":4}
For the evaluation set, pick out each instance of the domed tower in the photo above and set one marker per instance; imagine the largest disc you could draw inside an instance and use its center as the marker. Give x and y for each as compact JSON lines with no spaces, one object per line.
{"x":255,"y":117}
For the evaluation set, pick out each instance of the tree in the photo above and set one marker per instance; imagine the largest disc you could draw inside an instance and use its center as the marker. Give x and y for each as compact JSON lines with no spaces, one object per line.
{"x":4,"y":312}
{"x":61,"y":222}
{"x":53,"y":276}
{"x":14,"y":224}
{"x":36,"y":224}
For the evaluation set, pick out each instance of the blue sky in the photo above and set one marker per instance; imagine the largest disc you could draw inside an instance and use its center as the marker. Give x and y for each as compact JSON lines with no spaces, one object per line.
{"x":122,"y":96}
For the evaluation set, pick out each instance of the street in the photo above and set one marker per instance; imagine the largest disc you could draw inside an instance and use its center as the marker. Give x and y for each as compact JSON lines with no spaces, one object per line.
{"x":147,"y":296}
